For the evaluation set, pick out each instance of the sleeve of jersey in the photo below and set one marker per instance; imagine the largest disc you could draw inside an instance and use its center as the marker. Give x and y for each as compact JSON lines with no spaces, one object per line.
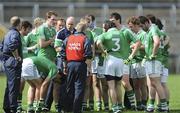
{"x":63,"y":50}
{"x":14,"y":42}
{"x":41,"y":32}
{"x":61,"y":35}
{"x":100,"y":37}
{"x":87,"y":49}
{"x":155,"y":32}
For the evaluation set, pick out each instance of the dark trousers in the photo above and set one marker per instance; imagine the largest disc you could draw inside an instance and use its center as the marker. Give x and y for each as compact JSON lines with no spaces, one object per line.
{"x":13,"y":73}
{"x":49,"y":96}
{"x":76,"y":80}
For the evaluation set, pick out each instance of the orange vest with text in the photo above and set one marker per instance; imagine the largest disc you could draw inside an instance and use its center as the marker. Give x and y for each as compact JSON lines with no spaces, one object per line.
{"x":75,"y":48}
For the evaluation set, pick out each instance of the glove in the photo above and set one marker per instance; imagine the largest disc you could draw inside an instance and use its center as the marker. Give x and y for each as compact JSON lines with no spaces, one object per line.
{"x":152,"y":57}
{"x":128,"y":60}
{"x":104,"y":54}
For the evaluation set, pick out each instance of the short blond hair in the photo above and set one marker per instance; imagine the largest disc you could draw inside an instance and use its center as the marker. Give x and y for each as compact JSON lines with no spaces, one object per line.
{"x":81,"y":27}
{"x":38,"y":21}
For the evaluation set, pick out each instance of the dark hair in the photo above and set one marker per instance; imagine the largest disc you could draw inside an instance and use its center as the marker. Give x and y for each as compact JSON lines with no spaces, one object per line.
{"x":26,"y":24}
{"x":152,"y":18}
{"x":50,"y":13}
{"x":159,"y":24}
{"x":109,"y":23}
{"x":143,"y":19}
{"x":116,"y":16}
{"x":92,"y":17}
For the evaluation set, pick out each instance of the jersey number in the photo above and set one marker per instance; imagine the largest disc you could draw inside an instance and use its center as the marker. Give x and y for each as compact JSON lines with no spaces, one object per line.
{"x":117,"y":44}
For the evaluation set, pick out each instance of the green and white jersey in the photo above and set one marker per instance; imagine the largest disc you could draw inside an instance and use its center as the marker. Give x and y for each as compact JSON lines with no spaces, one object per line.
{"x":96,"y":32}
{"x":44,"y":65}
{"x":31,"y":40}
{"x":89,"y":34}
{"x":46,"y":33}
{"x":164,"y":49}
{"x":24,"y":47}
{"x":141,"y":35}
{"x":131,"y":36}
{"x":116,"y":43}
{"x":149,"y":43}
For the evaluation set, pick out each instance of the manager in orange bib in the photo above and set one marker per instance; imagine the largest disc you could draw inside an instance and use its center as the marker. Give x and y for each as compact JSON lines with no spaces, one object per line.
{"x":76,"y":54}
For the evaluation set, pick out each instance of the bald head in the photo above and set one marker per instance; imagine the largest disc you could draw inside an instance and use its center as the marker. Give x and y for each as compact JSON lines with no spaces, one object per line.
{"x":15,"y":21}
{"x":70,"y":23}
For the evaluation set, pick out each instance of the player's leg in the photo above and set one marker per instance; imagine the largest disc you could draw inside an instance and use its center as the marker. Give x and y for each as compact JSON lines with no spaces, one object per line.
{"x":127,"y":86}
{"x":155,"y":84}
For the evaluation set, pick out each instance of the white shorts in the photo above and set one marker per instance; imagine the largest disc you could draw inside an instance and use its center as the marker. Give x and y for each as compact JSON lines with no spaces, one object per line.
{"x":29,"y":70}
{"x":114,"y":66}
{"x":94,"y":65}
{"x":153,"y":68}
{"x":137,"y":70}
{"x":164,"y":75}
{"x":126,"y":69}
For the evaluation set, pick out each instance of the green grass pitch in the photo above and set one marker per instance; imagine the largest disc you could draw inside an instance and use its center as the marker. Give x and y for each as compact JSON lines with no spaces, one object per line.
{"x":173,"y":83}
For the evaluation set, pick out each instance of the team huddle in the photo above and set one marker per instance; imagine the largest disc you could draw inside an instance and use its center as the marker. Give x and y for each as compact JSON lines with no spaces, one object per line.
{"x":84,"y":67}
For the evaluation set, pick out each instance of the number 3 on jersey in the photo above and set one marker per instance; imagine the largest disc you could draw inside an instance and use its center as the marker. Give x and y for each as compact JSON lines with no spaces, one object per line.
{"x":116,"y":44}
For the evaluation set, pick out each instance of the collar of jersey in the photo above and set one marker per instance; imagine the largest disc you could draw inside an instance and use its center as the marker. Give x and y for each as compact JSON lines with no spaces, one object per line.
{"x":112,"y":29}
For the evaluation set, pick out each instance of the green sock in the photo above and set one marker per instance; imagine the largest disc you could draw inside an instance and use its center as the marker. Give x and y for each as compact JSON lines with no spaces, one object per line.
{"x":120,"y":106}
{"x":41,"y":103}
{"x":98,"y":104}
{"x":30,"y":107}
{"x":19,"y":100}
{"x":138,"y":103}
{"x":35,"y":103}
{"x":91,"y":104}
{"x":168,"y":103}
{"x":144,"y":102}
{"x":84,"y":104}
{"x":106,"y":105}
{"x":151,"y":101}
{"x":163,"y":103}
{"x":131,"y":97}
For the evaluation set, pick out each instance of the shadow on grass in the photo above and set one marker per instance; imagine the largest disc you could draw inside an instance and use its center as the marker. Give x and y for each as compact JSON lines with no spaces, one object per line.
{"x":175,"y":111}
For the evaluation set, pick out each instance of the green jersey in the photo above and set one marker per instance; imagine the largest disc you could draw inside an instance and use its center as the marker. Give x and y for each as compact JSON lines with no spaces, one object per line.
{"x":44,"y":65}
{"x":24,"y":47}
{"x":96,"y":32}
{"x":89,"y":35}
{"x":149,"y":43}
{"x":47,"y":33}
{"x":31,"y":40}
{"x":164,"y":49}
{"x":116,"y":43}
{"x":141,"y":35}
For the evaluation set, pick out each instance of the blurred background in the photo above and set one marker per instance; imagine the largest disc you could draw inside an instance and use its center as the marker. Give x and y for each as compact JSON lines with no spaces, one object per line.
{"x":167,"y":10}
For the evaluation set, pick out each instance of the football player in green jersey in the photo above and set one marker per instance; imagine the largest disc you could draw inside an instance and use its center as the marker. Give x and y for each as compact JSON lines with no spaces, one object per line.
{"x":31,"y":68}
{"x":116,"y":18}
{"x":164,"y":46}
{"x":153,"y":64}
{"x":26,"y":27}
{"x":97,"y":68}
{"x":47,"y":35}
{"x":113,"y":43}
{"x":137,"y":69}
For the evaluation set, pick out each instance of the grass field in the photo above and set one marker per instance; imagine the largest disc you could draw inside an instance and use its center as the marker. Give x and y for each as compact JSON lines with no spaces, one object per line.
{"x":173,"y":82}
